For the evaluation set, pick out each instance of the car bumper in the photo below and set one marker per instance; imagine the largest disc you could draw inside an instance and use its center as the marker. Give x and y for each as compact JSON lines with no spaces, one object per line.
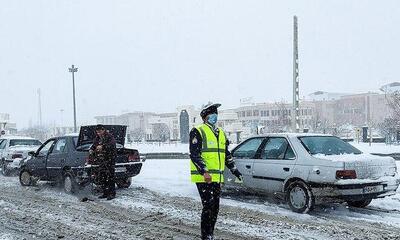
{"x":122,"y":171}
{"x":348,"y":190}
{"x":13,"y":164}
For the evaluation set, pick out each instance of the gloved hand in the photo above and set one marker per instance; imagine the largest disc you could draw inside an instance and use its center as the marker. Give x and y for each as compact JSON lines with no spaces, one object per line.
{"x":238,"y":174}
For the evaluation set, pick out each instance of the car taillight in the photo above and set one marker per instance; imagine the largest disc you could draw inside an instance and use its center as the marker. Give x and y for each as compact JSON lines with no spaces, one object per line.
{"x":346,"y":174}
{"x":133,"y":157}
{"x":14,"y":156}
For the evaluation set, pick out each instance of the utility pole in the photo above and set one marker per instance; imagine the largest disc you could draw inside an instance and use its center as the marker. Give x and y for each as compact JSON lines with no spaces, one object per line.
{"x":296,"y":94}
{"x":40,"y":108}
{"x":73,"y":70}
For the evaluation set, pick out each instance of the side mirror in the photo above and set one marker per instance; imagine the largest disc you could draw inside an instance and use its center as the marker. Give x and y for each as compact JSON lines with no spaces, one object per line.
{"x":31,"y":153}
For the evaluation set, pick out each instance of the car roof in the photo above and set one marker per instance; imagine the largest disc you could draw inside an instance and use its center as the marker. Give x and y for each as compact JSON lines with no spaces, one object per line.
{"x":287,"y":134}
{"x":17,"y":137}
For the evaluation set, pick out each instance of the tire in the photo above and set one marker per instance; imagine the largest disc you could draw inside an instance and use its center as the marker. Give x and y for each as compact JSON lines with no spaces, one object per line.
{"x":124,"y":183}
{"x":359,"y":204}
{"x":69,"y":184}
{"x":4,"y":170}
{"x":25,"y":178}
{"x":300,"y":197}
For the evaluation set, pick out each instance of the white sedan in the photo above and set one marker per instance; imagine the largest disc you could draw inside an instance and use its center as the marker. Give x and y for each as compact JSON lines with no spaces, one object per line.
{"x":13,"y":149}
{"x":307,"y":169}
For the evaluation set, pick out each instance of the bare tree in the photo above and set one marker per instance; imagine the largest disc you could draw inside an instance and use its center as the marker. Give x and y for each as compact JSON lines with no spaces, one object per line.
{"x":161,"y":132}
{"x":394,"y":104}
{"x":283,"y":121}
{"x":138,"y":134}
{"x":391,"y":125}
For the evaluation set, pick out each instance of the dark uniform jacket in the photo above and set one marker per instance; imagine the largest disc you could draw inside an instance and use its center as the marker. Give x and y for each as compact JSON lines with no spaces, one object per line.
{"x":109,"y":150}
{"x":195,"y":151}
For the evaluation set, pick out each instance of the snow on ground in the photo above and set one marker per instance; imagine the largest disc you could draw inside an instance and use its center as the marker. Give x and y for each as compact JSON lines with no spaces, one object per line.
{"x":167,"y":176}
{"x":172,"y":177}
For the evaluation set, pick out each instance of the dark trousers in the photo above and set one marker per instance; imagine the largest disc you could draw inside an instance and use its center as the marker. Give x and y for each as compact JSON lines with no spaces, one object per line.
{"x":210,"y":194}
{"x":107,"y":180}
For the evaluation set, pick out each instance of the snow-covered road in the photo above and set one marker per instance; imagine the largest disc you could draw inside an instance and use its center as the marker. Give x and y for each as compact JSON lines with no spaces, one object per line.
{"x":163,"y":204}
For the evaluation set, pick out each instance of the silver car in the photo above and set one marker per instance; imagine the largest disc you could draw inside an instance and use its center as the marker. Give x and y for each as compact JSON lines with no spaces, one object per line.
{"x":306,"y":169}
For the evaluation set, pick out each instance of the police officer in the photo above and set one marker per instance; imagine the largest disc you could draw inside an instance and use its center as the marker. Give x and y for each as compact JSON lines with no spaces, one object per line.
{"x":209,"y":154}
{"x":104,"y":151}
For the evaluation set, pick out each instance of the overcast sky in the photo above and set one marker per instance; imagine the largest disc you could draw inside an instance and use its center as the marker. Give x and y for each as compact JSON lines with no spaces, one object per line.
{"x":156,"y":55}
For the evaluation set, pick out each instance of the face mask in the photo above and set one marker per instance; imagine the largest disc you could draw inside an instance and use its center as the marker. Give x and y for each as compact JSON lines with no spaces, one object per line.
{"x":212,"y":118}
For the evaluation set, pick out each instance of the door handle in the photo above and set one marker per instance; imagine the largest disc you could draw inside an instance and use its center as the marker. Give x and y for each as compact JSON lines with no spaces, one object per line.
{"x":248,"y":166}
{"x":286,"y":169}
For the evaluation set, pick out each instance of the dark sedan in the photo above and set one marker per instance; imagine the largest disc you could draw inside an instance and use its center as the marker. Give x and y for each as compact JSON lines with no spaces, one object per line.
{"x":65,"y":159}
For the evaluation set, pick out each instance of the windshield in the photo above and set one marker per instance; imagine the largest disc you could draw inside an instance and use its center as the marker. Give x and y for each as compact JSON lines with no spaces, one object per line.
{"x":25,"y":142}
{"x":327,"y":145}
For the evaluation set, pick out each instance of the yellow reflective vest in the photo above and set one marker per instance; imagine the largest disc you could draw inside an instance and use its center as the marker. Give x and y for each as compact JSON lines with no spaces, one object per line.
{"x":212,"y":153}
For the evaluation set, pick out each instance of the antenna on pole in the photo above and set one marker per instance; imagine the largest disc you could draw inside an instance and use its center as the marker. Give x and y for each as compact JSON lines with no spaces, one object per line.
{"x":296,"y":94}
{"x":40,"y":107}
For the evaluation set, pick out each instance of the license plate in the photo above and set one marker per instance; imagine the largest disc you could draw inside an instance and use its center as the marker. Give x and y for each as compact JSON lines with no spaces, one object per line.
{"x":373,"y":189}
{"x":120,"y":169}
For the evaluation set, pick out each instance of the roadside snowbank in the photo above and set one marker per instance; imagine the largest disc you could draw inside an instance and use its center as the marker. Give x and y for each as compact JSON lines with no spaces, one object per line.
{"x":376,"y":148}
{"x":159,"y":147}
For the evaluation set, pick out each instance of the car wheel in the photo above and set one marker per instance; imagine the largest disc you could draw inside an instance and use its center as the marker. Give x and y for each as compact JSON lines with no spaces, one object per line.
{"x":124,"y":183}
{"x":4,"y":170}
{"x":359,"y":204}
{"x":69,"y":183}
{"x":300,"y":197}
{"x":25,"y":178}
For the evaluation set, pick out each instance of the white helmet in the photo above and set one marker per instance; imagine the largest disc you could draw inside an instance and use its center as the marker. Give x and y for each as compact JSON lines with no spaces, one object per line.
{"x":209,"y":108}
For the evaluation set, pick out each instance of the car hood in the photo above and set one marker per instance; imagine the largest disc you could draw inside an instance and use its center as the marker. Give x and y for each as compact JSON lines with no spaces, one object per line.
{"x":87,"y":134}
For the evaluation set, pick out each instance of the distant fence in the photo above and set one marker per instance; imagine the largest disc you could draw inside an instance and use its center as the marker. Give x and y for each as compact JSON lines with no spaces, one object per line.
{"x":166,"y":155}
{"x":396,"y":156}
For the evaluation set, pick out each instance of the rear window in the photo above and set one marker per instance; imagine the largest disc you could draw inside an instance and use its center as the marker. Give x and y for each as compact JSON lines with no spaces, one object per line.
{"x":25,"y":142}
{"x":327,"y":145}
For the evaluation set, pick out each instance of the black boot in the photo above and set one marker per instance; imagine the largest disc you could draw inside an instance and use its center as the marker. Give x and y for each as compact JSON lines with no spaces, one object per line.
{"x":103,"y":196}
{"x":110,"y":197}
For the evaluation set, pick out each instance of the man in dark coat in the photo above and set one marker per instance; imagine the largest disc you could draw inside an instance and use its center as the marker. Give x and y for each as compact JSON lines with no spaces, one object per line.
{"x":104,"y":151}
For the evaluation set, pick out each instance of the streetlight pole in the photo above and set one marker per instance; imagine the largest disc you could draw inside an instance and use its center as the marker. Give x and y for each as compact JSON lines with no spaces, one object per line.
{"x":73,"y":70}
{"x":296,"y":94}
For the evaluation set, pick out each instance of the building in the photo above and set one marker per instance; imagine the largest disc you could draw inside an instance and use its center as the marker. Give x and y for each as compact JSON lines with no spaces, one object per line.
{"x":334,"y":113}
{"x":275,"y":117}
{"x":325,"y":96}
{"x":6,"y":126}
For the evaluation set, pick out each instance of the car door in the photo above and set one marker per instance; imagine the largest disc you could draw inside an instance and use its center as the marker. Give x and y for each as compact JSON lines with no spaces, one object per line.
{"x":56,"y":159}
{"x":276,"y":163}
{"x":244,"y":156}
{"x":39,"y":163}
